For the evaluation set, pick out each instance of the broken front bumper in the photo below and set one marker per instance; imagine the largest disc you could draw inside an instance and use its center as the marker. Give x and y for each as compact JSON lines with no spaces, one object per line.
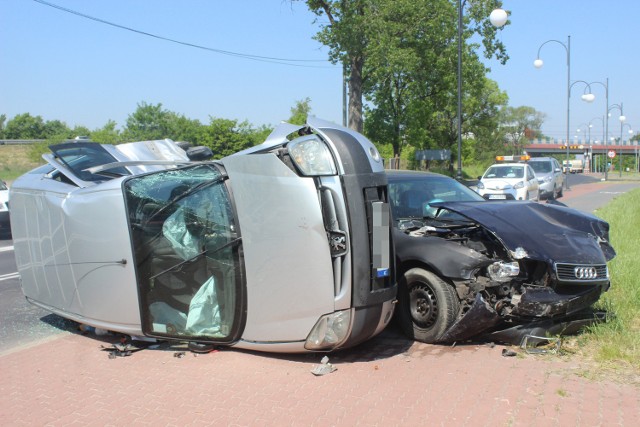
{"x":535,"y":308}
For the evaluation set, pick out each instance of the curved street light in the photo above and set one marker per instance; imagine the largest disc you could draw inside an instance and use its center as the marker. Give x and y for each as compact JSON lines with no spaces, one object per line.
{"x":622,"y":119}
{"x":538,"y":63}
{"x":498,"y":18}
{"x":622,"y":125}
{"x":608,"y":109}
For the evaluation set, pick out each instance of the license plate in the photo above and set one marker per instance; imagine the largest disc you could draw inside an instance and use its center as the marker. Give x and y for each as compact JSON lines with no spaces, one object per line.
{"x":497,"y":197}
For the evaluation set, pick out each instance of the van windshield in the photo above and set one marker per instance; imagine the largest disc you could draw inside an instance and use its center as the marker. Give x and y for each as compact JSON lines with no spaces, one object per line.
{"x":187,"y":252}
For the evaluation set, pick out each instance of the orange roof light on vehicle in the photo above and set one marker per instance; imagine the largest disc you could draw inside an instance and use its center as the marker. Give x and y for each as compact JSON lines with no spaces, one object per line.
{"x":522,"y":158}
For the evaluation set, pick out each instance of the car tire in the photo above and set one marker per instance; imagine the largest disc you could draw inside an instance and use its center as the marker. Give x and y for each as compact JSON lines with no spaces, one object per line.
{"x":428,"y":305}
{"x":560,"y":192}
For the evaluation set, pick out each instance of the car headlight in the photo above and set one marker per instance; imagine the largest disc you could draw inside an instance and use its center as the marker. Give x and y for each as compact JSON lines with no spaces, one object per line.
{"x":329,"y":331}
{"x":480,"y":185}
{"x":519,"y":185}
{"x":548,"y":179}
{"x":312,"y":156}
{"x":503,"y":271}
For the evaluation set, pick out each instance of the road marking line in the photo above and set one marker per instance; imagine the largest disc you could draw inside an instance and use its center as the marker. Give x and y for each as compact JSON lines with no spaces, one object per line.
{"x":6,"y":248}
{"x":9,"y":276}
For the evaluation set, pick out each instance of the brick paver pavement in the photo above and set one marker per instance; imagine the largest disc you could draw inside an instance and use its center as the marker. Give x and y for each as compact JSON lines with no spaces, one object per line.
{"x":69,"y":380}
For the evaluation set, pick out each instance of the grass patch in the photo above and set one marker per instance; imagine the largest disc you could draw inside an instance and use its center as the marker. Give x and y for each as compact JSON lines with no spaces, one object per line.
{"x":617,"y":342}
{"x":15,"y":160}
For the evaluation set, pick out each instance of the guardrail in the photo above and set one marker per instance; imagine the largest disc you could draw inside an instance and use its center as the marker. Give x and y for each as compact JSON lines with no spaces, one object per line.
{"x":20,"y":141}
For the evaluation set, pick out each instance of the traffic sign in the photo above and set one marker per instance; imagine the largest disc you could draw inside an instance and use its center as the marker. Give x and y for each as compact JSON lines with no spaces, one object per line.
{"x":611,"y":154}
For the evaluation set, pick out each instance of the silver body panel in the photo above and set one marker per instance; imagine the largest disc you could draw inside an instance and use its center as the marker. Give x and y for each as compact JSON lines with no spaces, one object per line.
{"x":75,"y":251}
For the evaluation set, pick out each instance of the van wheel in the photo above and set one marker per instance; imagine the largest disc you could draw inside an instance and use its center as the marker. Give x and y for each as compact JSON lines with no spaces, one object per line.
{"x":428,"y":305}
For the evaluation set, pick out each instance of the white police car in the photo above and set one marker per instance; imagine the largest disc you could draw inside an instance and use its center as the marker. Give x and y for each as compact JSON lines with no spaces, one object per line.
{"x":509,"y":181}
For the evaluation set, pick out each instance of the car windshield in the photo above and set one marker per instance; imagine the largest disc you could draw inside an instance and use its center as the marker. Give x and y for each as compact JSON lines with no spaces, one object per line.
{"x":541,"y":167}
{"x":417,"y":196}
{"x":81,"y":156}
{"x":504,"y":172}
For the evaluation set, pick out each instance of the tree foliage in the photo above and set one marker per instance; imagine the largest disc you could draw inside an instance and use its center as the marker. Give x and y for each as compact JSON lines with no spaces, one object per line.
{"x":397,"y":52}
{"x":225,"y":136}
{"x":25,"y":126}
{"x":517,"y":123}
{"x":300,"y":112}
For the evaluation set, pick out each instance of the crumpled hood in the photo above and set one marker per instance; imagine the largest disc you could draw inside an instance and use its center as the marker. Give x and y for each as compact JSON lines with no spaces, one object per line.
{"x":547,"y":232}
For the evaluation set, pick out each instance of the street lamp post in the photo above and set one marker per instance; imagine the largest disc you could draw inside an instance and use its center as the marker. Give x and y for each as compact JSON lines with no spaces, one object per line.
{"x":622,"y":125}
{"x":498,"y":18}
{"x":622,"y":119}
{"x":606,"y":122}
{"x":538,"y":64}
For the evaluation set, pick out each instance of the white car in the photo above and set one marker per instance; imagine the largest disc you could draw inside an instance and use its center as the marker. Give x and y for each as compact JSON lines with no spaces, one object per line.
{"x":4,"y":207}
{"x":509,"y":181}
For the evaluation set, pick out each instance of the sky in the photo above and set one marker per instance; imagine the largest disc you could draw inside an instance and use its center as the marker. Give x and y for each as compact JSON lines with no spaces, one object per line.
{"x":62,"y":66}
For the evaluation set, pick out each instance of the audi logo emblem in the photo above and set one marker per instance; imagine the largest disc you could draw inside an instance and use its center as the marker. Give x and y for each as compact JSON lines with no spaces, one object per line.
{"x":585,"y":272}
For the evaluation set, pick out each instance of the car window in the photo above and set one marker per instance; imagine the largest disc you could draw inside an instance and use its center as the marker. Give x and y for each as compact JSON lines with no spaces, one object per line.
{"x":187,"y":251}
{"x":530,"y":174}
{"x":505,"y":171}
{"x":2,"y":186}
{"x":79,"y":157}
{"x":541,"y":166}
{"x":411,"y":195}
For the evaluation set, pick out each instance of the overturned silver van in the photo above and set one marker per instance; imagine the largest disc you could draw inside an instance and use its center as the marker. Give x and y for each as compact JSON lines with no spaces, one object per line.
{"x":283,"y":247}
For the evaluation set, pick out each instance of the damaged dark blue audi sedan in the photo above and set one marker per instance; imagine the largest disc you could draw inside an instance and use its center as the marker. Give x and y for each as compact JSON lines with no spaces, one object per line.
{"x":468,"y":267}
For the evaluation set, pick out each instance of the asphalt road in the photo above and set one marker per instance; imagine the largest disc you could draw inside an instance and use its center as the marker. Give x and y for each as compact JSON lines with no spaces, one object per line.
{"x":22,"y":323}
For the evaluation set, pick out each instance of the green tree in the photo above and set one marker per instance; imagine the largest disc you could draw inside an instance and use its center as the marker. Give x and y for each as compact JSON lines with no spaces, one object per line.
{"x":357,"y":28}
{"x":3,"y":119}
{"x":180,"y":128}
{"x":148,"y":122}
{"x":300,"y":112}
{"x":53,"y":128}
{"x":25,"y":126}
{"x":108,"y":134}
{"x":226,"y":137}
{"x":516,"y":123}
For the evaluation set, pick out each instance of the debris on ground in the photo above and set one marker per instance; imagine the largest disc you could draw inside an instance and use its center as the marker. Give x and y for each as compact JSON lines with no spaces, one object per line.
{"x":121,"y":349}
{"x":323,"y":368}
{"x":532,"y":344}
{"x":508,"y":353}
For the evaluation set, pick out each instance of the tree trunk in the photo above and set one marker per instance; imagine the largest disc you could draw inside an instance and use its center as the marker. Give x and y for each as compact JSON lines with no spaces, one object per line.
{"x":355,"y":94}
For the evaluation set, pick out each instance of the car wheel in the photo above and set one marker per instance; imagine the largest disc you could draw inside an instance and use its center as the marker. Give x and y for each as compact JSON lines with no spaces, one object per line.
{"x":560,"y":192}
{"x":428,"y":305}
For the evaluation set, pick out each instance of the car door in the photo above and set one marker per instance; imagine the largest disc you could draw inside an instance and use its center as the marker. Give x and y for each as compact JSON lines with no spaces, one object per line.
{"x":188,"y":255}
{"x":532,"y":183}
{"x":557,"y":174}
